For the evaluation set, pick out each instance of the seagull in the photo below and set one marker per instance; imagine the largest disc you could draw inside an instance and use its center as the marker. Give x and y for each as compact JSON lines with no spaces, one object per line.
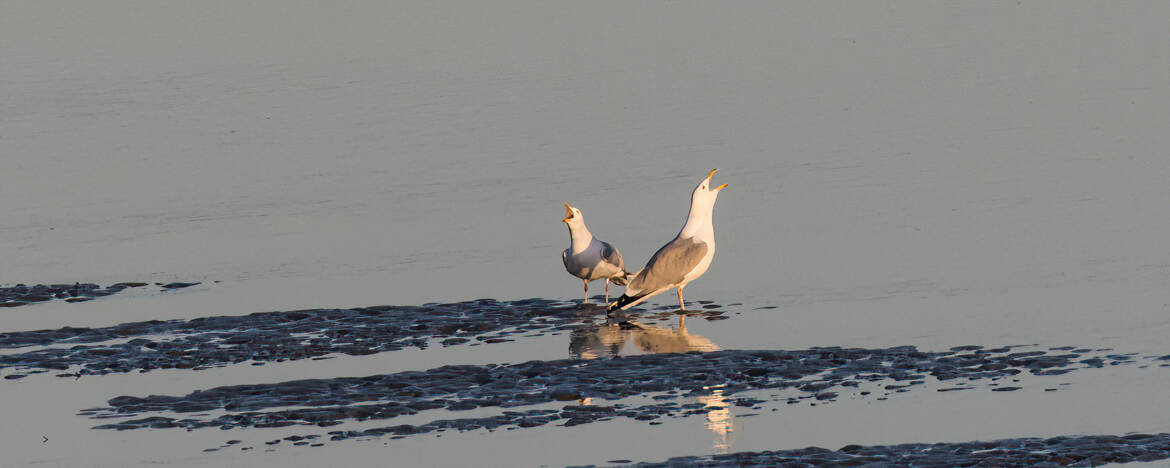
{"x":589,"y":258}
{"x":683,"y":259}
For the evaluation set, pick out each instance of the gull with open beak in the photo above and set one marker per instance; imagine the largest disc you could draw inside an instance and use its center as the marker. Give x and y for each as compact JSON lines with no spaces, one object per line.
{"x":589,"y":258}
{"x":683,"y":259}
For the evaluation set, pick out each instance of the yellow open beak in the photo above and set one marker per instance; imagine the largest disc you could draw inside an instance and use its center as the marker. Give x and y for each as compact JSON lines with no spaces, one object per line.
{"x":711,"y":174}
{"x":568,"y":213}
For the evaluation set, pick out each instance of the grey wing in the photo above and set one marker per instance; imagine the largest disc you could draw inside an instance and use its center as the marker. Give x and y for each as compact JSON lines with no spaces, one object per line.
{"x":610,"y":255}
{"x":669,"y":265}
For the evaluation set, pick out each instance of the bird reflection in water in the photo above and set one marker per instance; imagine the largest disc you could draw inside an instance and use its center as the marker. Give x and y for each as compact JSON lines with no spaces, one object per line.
{"x":605,"y":341}
{"x":594,"y":341}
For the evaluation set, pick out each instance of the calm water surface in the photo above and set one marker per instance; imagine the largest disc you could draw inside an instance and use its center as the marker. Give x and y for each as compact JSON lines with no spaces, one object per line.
{"x":917,"y":174}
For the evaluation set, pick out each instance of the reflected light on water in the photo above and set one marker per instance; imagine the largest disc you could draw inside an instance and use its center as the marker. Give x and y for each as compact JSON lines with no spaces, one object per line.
{"x":604,"y":341}
{"x":719,"y":419}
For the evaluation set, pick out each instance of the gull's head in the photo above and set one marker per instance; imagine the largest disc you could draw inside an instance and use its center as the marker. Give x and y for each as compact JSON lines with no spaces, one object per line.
{"x":706,"y":192}
{"x":572,"y":216}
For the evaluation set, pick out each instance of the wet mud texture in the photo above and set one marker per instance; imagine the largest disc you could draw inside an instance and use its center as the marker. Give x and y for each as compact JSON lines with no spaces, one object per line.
{"x":19,"y":295}
{"x":817,"y":374}
{"x":279,"y":336}
{"x":1027,"y":452}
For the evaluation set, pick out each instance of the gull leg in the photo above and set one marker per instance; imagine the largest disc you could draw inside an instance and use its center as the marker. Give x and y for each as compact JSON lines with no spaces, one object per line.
{"x":681,"y":306}
{"x":607,"y":290}
{"x":586,"y":290}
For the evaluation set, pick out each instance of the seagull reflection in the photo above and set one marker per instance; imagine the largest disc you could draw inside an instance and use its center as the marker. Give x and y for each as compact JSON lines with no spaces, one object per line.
{"x":606,"y":341}
{"x":653,"y":339}
{"x":594,"y":341}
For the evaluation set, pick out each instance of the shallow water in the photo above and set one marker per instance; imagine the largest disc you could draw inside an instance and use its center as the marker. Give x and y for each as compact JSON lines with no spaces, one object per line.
{"x":928,"y":175}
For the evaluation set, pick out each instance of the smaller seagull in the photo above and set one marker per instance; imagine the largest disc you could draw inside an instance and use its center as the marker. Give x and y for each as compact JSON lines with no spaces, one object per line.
{"x":589,"y":258}
{"x":681,"y":260}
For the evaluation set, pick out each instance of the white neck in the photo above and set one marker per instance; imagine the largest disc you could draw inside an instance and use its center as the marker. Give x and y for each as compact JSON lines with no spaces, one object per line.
{"x":699,"y":221}
{"x":580,"y":236}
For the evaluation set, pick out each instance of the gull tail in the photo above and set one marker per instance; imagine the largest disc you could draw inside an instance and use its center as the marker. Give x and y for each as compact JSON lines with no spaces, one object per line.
{"x":622,"y":279}
{"x":623,"y":302}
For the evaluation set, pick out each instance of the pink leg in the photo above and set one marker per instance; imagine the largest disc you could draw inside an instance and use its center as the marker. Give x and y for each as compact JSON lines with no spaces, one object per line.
{"x":586,"y":290}
{"x":681,"y":306}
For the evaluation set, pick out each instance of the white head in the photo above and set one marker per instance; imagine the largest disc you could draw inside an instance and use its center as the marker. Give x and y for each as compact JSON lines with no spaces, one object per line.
{"x":705,"y":195}
{"x":573,"y":217}
{"x":702,"y":204}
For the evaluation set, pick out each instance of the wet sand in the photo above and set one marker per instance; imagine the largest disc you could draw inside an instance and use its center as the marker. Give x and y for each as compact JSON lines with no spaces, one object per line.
{"x":1057,"y":451}
{"x":22,"y":294}
{"x":821,"y":374}
{"x":646,"y":367}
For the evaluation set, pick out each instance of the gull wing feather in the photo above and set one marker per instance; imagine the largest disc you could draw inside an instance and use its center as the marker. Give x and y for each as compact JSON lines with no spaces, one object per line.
{"x":669,"y":266}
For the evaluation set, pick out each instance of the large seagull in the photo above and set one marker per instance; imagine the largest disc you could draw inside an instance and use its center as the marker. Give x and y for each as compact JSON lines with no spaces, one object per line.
{"x":683,"y":259}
